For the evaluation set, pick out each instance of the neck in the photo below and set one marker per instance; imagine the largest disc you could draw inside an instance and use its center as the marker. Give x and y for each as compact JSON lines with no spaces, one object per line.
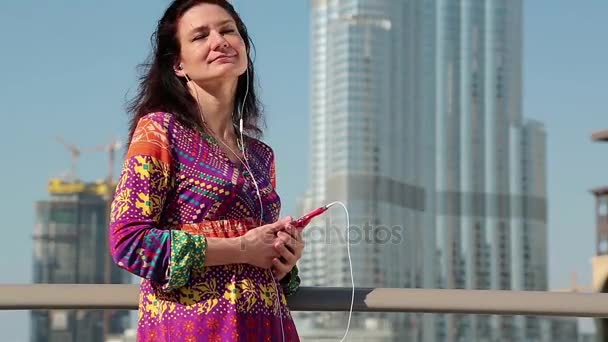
{"x":216,"y":103}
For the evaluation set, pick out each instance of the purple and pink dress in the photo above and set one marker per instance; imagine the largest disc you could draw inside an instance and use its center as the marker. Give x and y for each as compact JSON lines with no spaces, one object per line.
{"x":176,"y":188}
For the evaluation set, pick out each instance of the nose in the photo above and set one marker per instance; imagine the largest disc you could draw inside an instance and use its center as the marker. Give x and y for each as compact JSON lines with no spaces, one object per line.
{"x":217,"y":40}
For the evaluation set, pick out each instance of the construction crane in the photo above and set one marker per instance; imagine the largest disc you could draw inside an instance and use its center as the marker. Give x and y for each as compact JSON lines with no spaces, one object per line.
{"x":111,"y":148}
{"x":75,"y":153}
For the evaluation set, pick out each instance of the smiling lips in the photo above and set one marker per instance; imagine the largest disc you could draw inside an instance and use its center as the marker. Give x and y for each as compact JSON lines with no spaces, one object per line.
{"x":223,"y":58}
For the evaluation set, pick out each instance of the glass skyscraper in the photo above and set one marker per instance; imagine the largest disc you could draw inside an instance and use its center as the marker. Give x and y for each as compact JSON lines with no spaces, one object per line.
{"x":356,"y":112}
{"x":417,"y":126}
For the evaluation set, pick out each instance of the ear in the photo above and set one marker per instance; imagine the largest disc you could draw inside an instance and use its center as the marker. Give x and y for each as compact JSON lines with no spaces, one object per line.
{"x":178,"y":68}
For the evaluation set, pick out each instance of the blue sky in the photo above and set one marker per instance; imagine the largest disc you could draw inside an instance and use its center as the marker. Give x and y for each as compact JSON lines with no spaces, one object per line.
{"x":67,"y":68}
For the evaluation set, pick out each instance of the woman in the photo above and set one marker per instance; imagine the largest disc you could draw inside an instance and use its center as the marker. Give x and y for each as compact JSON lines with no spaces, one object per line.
{"x":195,"y":213}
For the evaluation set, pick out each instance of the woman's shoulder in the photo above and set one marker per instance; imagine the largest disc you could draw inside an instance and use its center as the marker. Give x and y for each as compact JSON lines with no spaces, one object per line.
{"x":165,"y":123}
{"x":152,"y":136}
{"x":259,"y":148}
{"x":163,"y":118}
{"x":160,"y":127}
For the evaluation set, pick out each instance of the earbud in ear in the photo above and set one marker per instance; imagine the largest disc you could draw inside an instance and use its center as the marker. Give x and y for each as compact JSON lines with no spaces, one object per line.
{"x":180,"y":67}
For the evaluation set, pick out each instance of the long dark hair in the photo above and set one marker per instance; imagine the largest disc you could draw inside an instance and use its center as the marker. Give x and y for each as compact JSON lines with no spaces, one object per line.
{"x":161,"y":90}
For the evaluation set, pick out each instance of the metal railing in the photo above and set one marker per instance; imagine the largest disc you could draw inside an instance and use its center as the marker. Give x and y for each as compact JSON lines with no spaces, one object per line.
{"x":534,"y":303}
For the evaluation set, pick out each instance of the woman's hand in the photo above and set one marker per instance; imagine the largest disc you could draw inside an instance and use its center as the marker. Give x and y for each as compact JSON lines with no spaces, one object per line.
{"x":258,"y":244}
{"x":289,"y":245}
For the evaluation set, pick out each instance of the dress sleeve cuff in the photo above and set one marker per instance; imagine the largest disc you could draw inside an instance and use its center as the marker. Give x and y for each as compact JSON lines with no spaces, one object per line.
{"x":187,"y":255}
{"x":291,"y":282}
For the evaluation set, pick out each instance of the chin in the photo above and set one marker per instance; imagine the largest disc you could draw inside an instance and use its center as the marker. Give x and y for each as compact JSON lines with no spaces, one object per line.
{"x":229,"y":71}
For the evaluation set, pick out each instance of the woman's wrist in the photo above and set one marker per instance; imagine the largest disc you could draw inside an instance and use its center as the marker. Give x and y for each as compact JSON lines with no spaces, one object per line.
{"x":241,"y":250}
{"x":224,"y":251}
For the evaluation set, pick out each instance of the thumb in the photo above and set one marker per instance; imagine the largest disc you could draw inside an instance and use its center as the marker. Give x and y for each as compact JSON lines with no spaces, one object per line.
{"x":278,"y":225}
{"x":285,"y":220}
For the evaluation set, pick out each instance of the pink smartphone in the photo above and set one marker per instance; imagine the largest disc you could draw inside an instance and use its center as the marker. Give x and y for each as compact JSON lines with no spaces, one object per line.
{"x":305,"y":220}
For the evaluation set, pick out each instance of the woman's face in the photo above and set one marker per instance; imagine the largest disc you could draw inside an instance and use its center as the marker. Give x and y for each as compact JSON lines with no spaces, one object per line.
{"x":211,"y":46}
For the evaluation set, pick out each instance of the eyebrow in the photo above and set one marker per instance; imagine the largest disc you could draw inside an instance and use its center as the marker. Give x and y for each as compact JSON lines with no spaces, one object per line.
{"x":206,"y":27}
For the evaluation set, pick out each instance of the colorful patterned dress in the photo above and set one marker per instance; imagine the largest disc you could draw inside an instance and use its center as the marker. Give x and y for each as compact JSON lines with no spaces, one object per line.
{"x":177,"y":188}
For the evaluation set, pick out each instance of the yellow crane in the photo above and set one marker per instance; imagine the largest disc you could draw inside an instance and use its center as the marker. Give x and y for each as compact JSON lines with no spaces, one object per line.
{"x":111,"y":148}
{"x":70,"y":183}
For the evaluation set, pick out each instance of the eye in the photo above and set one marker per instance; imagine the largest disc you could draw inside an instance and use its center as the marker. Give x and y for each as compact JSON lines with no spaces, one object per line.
{"x":199,"y":36}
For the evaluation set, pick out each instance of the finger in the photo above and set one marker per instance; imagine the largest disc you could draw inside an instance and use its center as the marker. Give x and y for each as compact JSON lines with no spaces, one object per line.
{"x":295,"y":233}
{"x":298,"y":234}
{"x":294,"y":247}
{"x":286,"y":240}
{"x":291,"y":230}
{"x":288,"y":257}
{"x":282,"y":237}
{"x":277,"y":274}
{"x":289,"y":225}
{"x":298,"y":249}
{"x":280,"y":224}
{"x":275,"y":227}
{"x":279,"y":266}
{"x":280,"y":249}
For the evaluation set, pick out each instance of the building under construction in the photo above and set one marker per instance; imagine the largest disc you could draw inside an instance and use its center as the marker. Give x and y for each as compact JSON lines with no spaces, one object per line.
{"x":71,"y":247}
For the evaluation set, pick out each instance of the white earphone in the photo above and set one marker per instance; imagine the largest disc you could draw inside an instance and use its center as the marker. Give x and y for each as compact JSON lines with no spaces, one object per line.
{"x":246,"y":164}
{"x":181,"y":68}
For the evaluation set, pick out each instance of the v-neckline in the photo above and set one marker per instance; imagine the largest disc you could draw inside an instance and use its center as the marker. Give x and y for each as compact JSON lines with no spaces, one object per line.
{"x":213,"y":142}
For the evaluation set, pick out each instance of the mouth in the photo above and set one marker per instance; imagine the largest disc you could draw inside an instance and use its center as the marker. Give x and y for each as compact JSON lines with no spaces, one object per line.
{"x":223,"y":58}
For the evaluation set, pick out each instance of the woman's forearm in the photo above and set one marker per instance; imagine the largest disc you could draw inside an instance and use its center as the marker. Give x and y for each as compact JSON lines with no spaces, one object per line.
{"x":224,"y":251}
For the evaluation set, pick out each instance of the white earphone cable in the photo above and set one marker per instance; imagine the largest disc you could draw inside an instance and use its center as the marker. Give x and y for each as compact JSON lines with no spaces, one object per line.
{"x":245,"y":163}
{"x":350,"y":264}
